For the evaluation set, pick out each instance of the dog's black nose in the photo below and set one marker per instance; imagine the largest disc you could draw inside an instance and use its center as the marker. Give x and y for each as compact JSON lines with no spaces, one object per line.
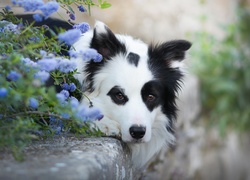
{"x":137,"y":131}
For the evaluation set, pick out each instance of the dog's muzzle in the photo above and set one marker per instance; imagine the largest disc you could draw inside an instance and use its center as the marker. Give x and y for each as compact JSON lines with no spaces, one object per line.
{"x":137,"y":131}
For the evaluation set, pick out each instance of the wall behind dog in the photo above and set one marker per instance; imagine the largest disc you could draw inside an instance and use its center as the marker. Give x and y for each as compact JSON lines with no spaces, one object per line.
{"x":158,"y":20}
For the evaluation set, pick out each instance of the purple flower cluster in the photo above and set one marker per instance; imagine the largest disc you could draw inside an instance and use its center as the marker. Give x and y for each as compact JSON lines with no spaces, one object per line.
{"x":52,"y":63}
{"x":47,"y":64}
{"x":72,"y":16}
{"x":62,"y":96}
{"x":28,"y":5}
{"x":89,"y":54}
{"x":47,"y":9}
{"x":86,"y":55}
{"x":83,"y":27}
{"x":69,"y":87}
{"x":85,"y":113}
{"x":70,"y":36}
{"x":56,"y":125}
{"x":33,"y":103}
{"x":8,"y":8}
{"x":66,"y":66}
{"x":6,"y":26}
{"x":82,"y":112}
{"x":29,"y":62}
{"x":73,"y":102}
{"x":13,"y":76}
{"x":81,"y":8}
{"x":38,"y":17}
{"x":3,"y":92}
{"x":43,"y":76}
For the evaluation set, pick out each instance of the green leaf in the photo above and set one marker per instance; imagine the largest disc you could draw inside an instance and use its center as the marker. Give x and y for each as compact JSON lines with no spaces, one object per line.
{"x":70,"y":9}
{"x":105,"y":5}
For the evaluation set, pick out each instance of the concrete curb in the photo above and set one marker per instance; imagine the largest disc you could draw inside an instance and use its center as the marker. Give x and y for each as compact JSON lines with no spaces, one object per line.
{"x":71,"y":158}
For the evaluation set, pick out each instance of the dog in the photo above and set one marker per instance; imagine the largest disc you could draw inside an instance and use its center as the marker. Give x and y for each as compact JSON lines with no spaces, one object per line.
{"x":135,"y":87}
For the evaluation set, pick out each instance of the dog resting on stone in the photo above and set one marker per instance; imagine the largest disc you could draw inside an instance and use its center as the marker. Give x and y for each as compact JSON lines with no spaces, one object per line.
{"x":135,"y":86}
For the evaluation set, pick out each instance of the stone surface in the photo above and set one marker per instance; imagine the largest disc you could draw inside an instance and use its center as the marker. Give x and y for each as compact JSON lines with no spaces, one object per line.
{"x":70,"y":158}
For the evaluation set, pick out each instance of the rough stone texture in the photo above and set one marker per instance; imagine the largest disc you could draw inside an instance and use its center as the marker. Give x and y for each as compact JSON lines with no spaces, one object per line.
{"x":70,"y":158}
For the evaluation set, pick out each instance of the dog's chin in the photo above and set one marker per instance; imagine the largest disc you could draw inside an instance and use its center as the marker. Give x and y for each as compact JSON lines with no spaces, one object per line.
{"x":134,"y":141}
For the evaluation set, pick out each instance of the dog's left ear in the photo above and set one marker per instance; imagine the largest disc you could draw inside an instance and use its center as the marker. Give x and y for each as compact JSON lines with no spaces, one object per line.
{"x":171,"y":52}
{"x":105,"y":41}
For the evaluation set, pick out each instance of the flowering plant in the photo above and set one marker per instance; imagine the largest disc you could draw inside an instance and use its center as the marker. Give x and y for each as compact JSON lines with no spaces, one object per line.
{"x":29,"y":62}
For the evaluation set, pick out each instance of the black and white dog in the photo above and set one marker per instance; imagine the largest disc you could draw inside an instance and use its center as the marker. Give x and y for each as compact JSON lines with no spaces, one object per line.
{"x":135,"y":87}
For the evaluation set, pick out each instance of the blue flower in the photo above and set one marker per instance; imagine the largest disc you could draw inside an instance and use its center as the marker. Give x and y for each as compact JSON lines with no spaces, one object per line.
{"x":87,"y":114}
{"x":47,"y":64}
{"x":38,"y":17}
{"x":29,"y":5}
{"x":65,"y":93}
{"x":49,"y":8}
{"x":8,"y":8}
{"x":72,"y":16}
{"x":84,"y":27}
{"x":42,"y":75}
{"x":69,"y":87}
{"x":74,"y":102}
{"x":29,"y":62}
{"x":14,"y":2}
{"x":70,"y":36}
{"x":43,"y":53}
{"x":73,"y":54}
{"x":62,"y":96}
{"x":89,"y":54}
{"x":81,"y":8}
{"x":65,"y":86}
{"x":13,"y":76}
{"x":6,"y":26}
{"x":72,"y":87}
{"x":98,"y":58}
{"x":33,"y":103}
{"x":66,"y":66}
{"x":56,"y":124}
{"x":65,"y":115}
{"x":3,"y":92}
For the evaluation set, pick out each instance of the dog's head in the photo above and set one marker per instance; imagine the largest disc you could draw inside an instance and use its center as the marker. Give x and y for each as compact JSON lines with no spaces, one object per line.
{"x":135,"y":84}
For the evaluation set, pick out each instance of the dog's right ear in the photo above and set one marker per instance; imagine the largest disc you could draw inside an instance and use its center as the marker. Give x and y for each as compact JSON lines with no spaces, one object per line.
{"x":105,"y":41}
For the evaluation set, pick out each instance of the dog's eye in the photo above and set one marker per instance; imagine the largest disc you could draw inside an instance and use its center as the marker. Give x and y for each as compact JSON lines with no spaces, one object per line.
{"x":119,"y":96}
{"x":150,"y":97}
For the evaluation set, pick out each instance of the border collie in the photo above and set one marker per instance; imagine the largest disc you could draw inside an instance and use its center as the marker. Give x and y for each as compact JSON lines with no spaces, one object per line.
{"x":135,"y":87}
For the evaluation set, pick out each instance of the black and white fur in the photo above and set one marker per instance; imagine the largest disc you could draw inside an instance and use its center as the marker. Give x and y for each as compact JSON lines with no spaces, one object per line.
{"x":135,"y":87}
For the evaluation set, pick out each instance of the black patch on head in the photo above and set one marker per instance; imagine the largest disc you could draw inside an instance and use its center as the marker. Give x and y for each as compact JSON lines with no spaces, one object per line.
{"x":117,"y":95}
{"x":151,"y":94}
{"x":133,"y":58}
{"x":169,"y":79}
{"x":108,"y":46}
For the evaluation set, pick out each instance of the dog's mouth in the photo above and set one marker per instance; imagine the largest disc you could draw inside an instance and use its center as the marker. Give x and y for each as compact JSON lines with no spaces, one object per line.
{"x":135,"y":141}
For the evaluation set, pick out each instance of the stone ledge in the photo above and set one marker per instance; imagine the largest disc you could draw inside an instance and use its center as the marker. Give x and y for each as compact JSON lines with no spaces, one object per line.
{"x":71,"y":158}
